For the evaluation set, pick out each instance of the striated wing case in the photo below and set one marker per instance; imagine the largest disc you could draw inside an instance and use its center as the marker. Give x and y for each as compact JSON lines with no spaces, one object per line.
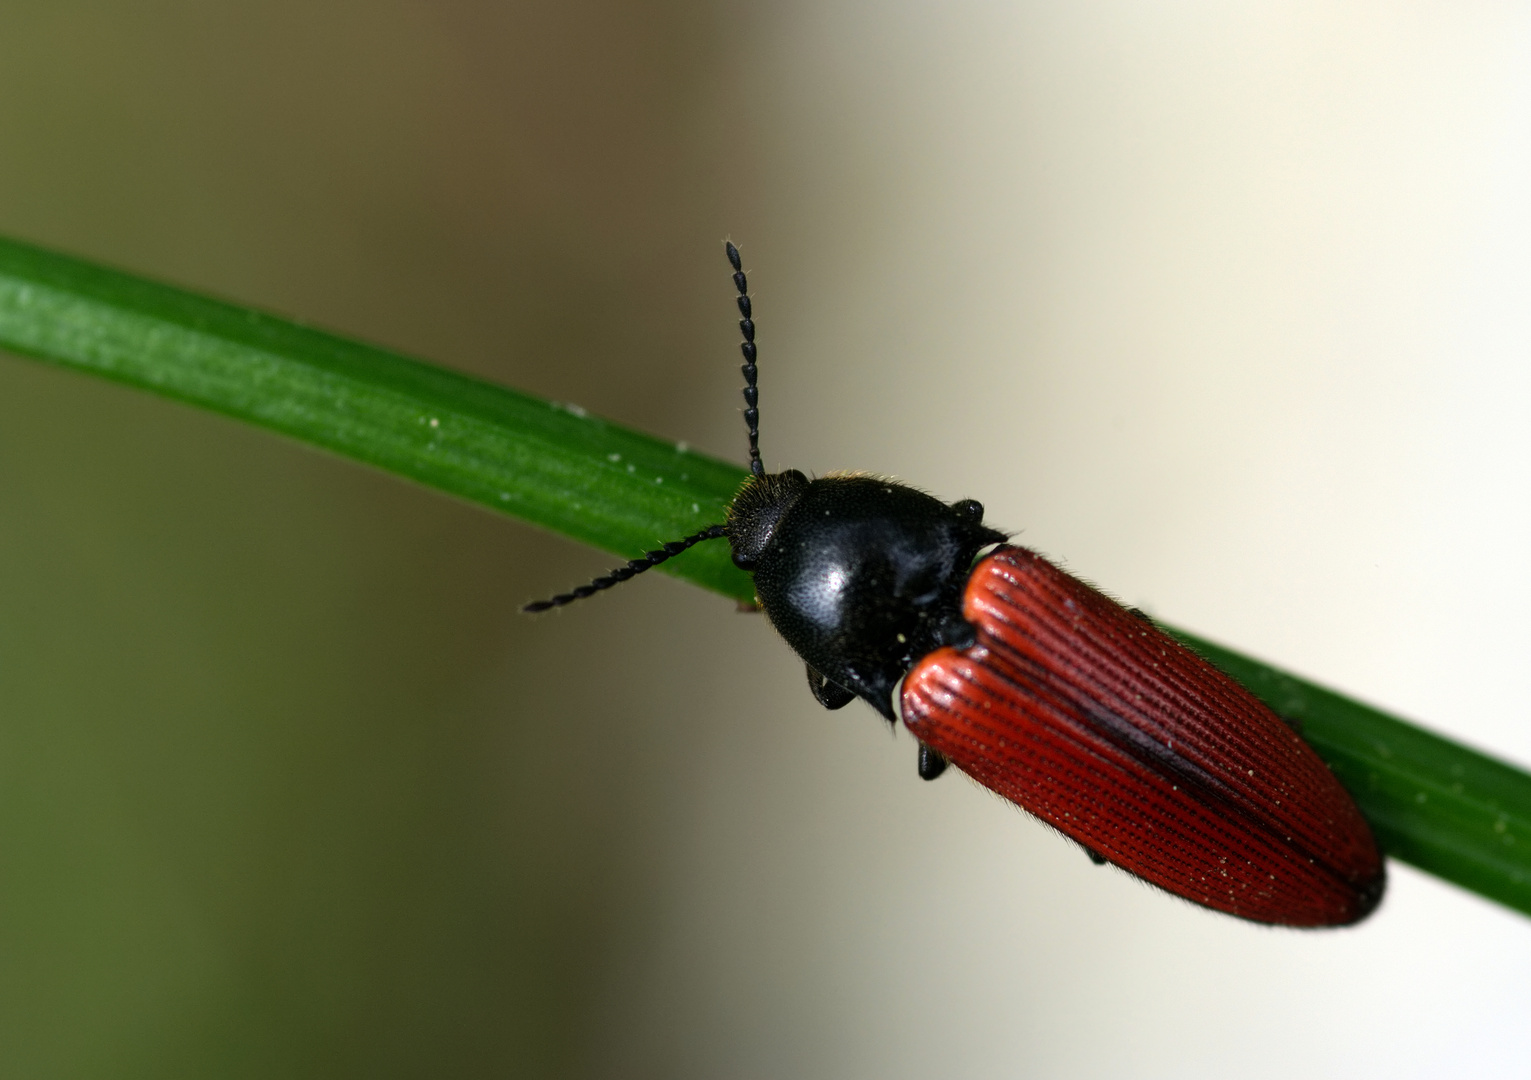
{"x":1123,"y":739}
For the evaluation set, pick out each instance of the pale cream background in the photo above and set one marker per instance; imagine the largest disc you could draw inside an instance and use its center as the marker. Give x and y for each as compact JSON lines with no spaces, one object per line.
{"x":1228,"y":309}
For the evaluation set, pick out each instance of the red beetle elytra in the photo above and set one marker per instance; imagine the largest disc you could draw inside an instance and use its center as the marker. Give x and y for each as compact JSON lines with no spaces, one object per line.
{"x":1044,"y":690}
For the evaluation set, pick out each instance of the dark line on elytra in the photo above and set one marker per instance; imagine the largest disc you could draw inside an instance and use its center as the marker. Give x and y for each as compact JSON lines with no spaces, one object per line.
{"x":1117,"y":731}
{"x":1129,"y":737}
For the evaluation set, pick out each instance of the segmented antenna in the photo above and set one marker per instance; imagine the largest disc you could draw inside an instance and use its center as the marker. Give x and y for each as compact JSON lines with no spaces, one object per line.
{"x":751,"y":421}
{"x":632,"y":569}
{"x":747,"y":347}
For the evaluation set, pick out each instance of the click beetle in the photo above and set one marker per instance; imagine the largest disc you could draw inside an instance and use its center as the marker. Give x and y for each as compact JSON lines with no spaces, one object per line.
{"x":1040,"y":687}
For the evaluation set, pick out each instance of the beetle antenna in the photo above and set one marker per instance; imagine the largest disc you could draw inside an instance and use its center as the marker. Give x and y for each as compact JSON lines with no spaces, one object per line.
{"x":632,"y":569}
{"x":747,"y":347}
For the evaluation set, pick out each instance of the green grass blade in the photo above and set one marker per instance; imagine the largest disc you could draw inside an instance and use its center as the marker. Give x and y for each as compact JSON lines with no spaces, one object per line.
{"x":1449,"y":810}
{"x":548,"y":464}
{"x":1446,"y":809}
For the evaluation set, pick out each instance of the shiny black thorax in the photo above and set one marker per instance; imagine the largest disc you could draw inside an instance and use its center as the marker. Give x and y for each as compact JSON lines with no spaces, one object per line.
{"x":862,"y":576}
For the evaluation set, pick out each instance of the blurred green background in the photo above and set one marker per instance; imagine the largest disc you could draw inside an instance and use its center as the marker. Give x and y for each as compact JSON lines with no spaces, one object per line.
{"x":287,"y":787}
{"x":1224,"y":308}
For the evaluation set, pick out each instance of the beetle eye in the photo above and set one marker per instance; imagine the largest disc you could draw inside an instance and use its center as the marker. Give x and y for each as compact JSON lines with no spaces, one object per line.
{"x":744,"y":562}
{"x":971,"y":509}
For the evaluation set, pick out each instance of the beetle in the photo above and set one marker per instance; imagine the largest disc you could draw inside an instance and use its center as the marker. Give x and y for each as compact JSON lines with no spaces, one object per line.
{"x":1040,"y":687}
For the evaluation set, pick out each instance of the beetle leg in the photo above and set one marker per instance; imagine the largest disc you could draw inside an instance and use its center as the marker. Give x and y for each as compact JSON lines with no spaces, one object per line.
{"x":955,"y":631}
{"x":1095,"y":857}
{"x":971,"y":509}
{"x":1291,"y":721}
{"x":828,"y":694}
{"x":932,"y":763}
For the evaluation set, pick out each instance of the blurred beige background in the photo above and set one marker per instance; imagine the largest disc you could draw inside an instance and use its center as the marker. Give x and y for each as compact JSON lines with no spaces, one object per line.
{"x":1225,"y":308}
